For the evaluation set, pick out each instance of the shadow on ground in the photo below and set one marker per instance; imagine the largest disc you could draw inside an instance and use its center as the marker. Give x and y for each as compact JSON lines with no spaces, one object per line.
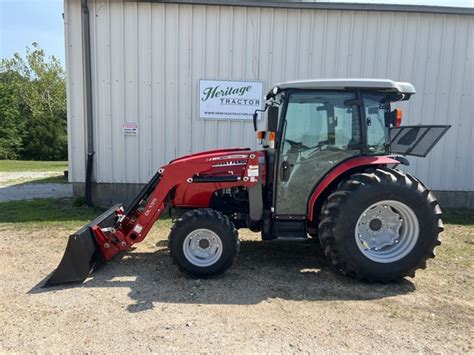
{"x":461,"y":216}
{"x":264,"y":270}
{"x":54,"y":179}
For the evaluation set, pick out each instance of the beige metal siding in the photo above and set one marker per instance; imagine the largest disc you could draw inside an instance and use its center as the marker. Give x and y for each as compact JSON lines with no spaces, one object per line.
{"x":148,"y":59}
{"x":74,"y":87}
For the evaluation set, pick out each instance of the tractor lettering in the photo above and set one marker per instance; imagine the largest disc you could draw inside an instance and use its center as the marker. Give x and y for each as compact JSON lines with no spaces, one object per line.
{"x":153,"y":203}
{"x":214,"y":92}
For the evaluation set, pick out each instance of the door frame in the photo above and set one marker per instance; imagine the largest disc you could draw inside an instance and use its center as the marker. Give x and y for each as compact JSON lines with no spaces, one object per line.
{"x":358,"y":101}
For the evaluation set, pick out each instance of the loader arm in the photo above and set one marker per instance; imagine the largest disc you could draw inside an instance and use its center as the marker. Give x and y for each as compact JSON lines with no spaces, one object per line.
{"x":132,"y":227}
{"x":118,"y":229}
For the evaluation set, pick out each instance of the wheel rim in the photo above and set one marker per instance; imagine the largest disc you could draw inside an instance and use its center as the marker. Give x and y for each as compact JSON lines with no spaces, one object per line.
{"x":202,"y":247}
{"x":387,"y":231}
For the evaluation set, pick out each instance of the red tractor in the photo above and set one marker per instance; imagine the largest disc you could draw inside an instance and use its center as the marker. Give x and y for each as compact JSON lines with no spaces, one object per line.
{"x":327,"y":169}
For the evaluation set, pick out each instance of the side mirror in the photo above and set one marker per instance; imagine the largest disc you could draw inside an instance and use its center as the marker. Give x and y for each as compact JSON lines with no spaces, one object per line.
{"x":272,"y":119}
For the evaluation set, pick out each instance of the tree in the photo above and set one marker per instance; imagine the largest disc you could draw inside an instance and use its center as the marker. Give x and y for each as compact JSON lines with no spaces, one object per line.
{"x":10,"y":123}
{"x":37,"y":105}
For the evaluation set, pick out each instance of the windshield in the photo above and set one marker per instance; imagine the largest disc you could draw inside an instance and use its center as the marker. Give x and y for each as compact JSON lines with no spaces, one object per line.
{"x":322,"y":118}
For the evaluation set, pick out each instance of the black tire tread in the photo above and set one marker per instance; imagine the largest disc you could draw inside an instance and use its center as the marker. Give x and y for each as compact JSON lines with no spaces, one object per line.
{"x":199,"y":215}
{"x":330,"y":211}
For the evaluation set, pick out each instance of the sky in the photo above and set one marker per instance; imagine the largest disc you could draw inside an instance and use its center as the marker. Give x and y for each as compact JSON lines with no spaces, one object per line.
{"x":23,"y":22}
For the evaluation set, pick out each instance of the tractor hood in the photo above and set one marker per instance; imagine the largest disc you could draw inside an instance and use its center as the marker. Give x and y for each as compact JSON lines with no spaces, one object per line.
{"x":238,"y":166}
{"x":216,"y":154}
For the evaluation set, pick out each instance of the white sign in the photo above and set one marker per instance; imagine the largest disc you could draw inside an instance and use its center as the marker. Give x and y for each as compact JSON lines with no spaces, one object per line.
{"x":235,"y":100}
{"x":130,"y":129}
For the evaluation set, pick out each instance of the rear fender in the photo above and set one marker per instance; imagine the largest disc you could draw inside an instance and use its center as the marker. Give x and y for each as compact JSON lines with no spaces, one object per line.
{"x":341,"y":169}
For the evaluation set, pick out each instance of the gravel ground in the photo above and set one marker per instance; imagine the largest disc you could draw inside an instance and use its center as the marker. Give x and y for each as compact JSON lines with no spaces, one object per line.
{"x":11,"y":190}
{"x":278,"y":297}
{"x":8,"y":178}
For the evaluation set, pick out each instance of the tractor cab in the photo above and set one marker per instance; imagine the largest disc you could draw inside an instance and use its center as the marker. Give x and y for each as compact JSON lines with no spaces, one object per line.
{"x":314,"y":126}
{"x":338,"y":113}
{"x":352,"y":113}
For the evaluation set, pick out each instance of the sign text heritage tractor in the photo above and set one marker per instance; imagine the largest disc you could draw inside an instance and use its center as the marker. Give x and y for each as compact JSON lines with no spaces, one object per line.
{"x":327,"y":169}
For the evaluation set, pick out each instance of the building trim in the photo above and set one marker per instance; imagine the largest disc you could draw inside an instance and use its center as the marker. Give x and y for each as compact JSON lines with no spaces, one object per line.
{"x":446,"y":10}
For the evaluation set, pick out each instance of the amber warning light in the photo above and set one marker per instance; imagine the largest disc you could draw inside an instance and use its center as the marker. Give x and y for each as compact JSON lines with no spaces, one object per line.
{"x":396,"y":119}
{"x":271,"y":140}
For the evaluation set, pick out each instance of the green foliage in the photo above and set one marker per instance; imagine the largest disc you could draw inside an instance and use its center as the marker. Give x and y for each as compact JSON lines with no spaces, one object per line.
{"x":33,"y":117}
{"x":10,"y":123}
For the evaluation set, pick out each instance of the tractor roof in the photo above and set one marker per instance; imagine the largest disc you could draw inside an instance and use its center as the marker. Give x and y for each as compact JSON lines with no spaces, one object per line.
{"x":384,"y":85}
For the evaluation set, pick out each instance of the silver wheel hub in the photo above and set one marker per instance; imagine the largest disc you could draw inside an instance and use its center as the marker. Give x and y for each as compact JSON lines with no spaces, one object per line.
{"x":202,"y":247}
{"x":380,"y":226}
{"x":387,"y":231}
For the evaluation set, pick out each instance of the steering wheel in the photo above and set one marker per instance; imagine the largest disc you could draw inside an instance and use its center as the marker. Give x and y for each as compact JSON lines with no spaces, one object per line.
{"x":297,"y":145}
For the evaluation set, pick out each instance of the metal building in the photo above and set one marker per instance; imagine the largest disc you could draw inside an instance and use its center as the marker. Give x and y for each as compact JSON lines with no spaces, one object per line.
{"x":141,"y":62}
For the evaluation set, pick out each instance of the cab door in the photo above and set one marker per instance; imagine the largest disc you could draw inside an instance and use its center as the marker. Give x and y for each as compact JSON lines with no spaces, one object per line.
{"x":318,"y":132}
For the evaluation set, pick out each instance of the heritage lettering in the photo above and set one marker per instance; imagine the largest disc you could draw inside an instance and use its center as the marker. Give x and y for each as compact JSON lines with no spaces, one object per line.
{"x":216,"y":91}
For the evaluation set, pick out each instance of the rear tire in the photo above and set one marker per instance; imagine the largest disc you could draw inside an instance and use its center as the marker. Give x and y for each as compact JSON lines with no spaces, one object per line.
{"x":203,"y":243}
{"x":380,"y":225}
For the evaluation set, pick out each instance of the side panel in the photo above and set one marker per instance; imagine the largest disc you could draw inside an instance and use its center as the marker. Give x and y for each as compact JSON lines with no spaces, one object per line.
{"x":198,"y":195}
{"x":225,"y":169}
{"x":341,"y":169}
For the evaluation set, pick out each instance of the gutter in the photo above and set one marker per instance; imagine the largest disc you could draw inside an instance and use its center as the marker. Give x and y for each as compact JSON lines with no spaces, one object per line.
{"x":87,"y":74}
{"x":317,"y":5}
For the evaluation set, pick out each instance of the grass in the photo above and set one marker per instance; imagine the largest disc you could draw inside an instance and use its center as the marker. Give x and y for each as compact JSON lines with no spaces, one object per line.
{"x":42,"y":212}
{"x":54,"y":168}
{"x":27,"y":165}
{"x":39,"y":213}
{"x":54,"y":179}
{"x":464,"y":217}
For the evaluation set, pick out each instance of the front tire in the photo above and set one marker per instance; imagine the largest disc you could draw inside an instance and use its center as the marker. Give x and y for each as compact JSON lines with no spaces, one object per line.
{"x":204,"y":243}
{"x":380,"y":225}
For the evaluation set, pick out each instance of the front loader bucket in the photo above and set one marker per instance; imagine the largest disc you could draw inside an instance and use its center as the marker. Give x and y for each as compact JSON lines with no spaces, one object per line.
{"x":82,"y":255}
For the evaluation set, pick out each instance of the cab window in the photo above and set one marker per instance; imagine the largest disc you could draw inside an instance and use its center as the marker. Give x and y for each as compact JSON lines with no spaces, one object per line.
{"x":375,"y":107}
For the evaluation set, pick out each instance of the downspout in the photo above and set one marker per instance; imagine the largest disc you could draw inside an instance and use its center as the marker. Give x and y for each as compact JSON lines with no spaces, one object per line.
{"x":86,"y":51}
